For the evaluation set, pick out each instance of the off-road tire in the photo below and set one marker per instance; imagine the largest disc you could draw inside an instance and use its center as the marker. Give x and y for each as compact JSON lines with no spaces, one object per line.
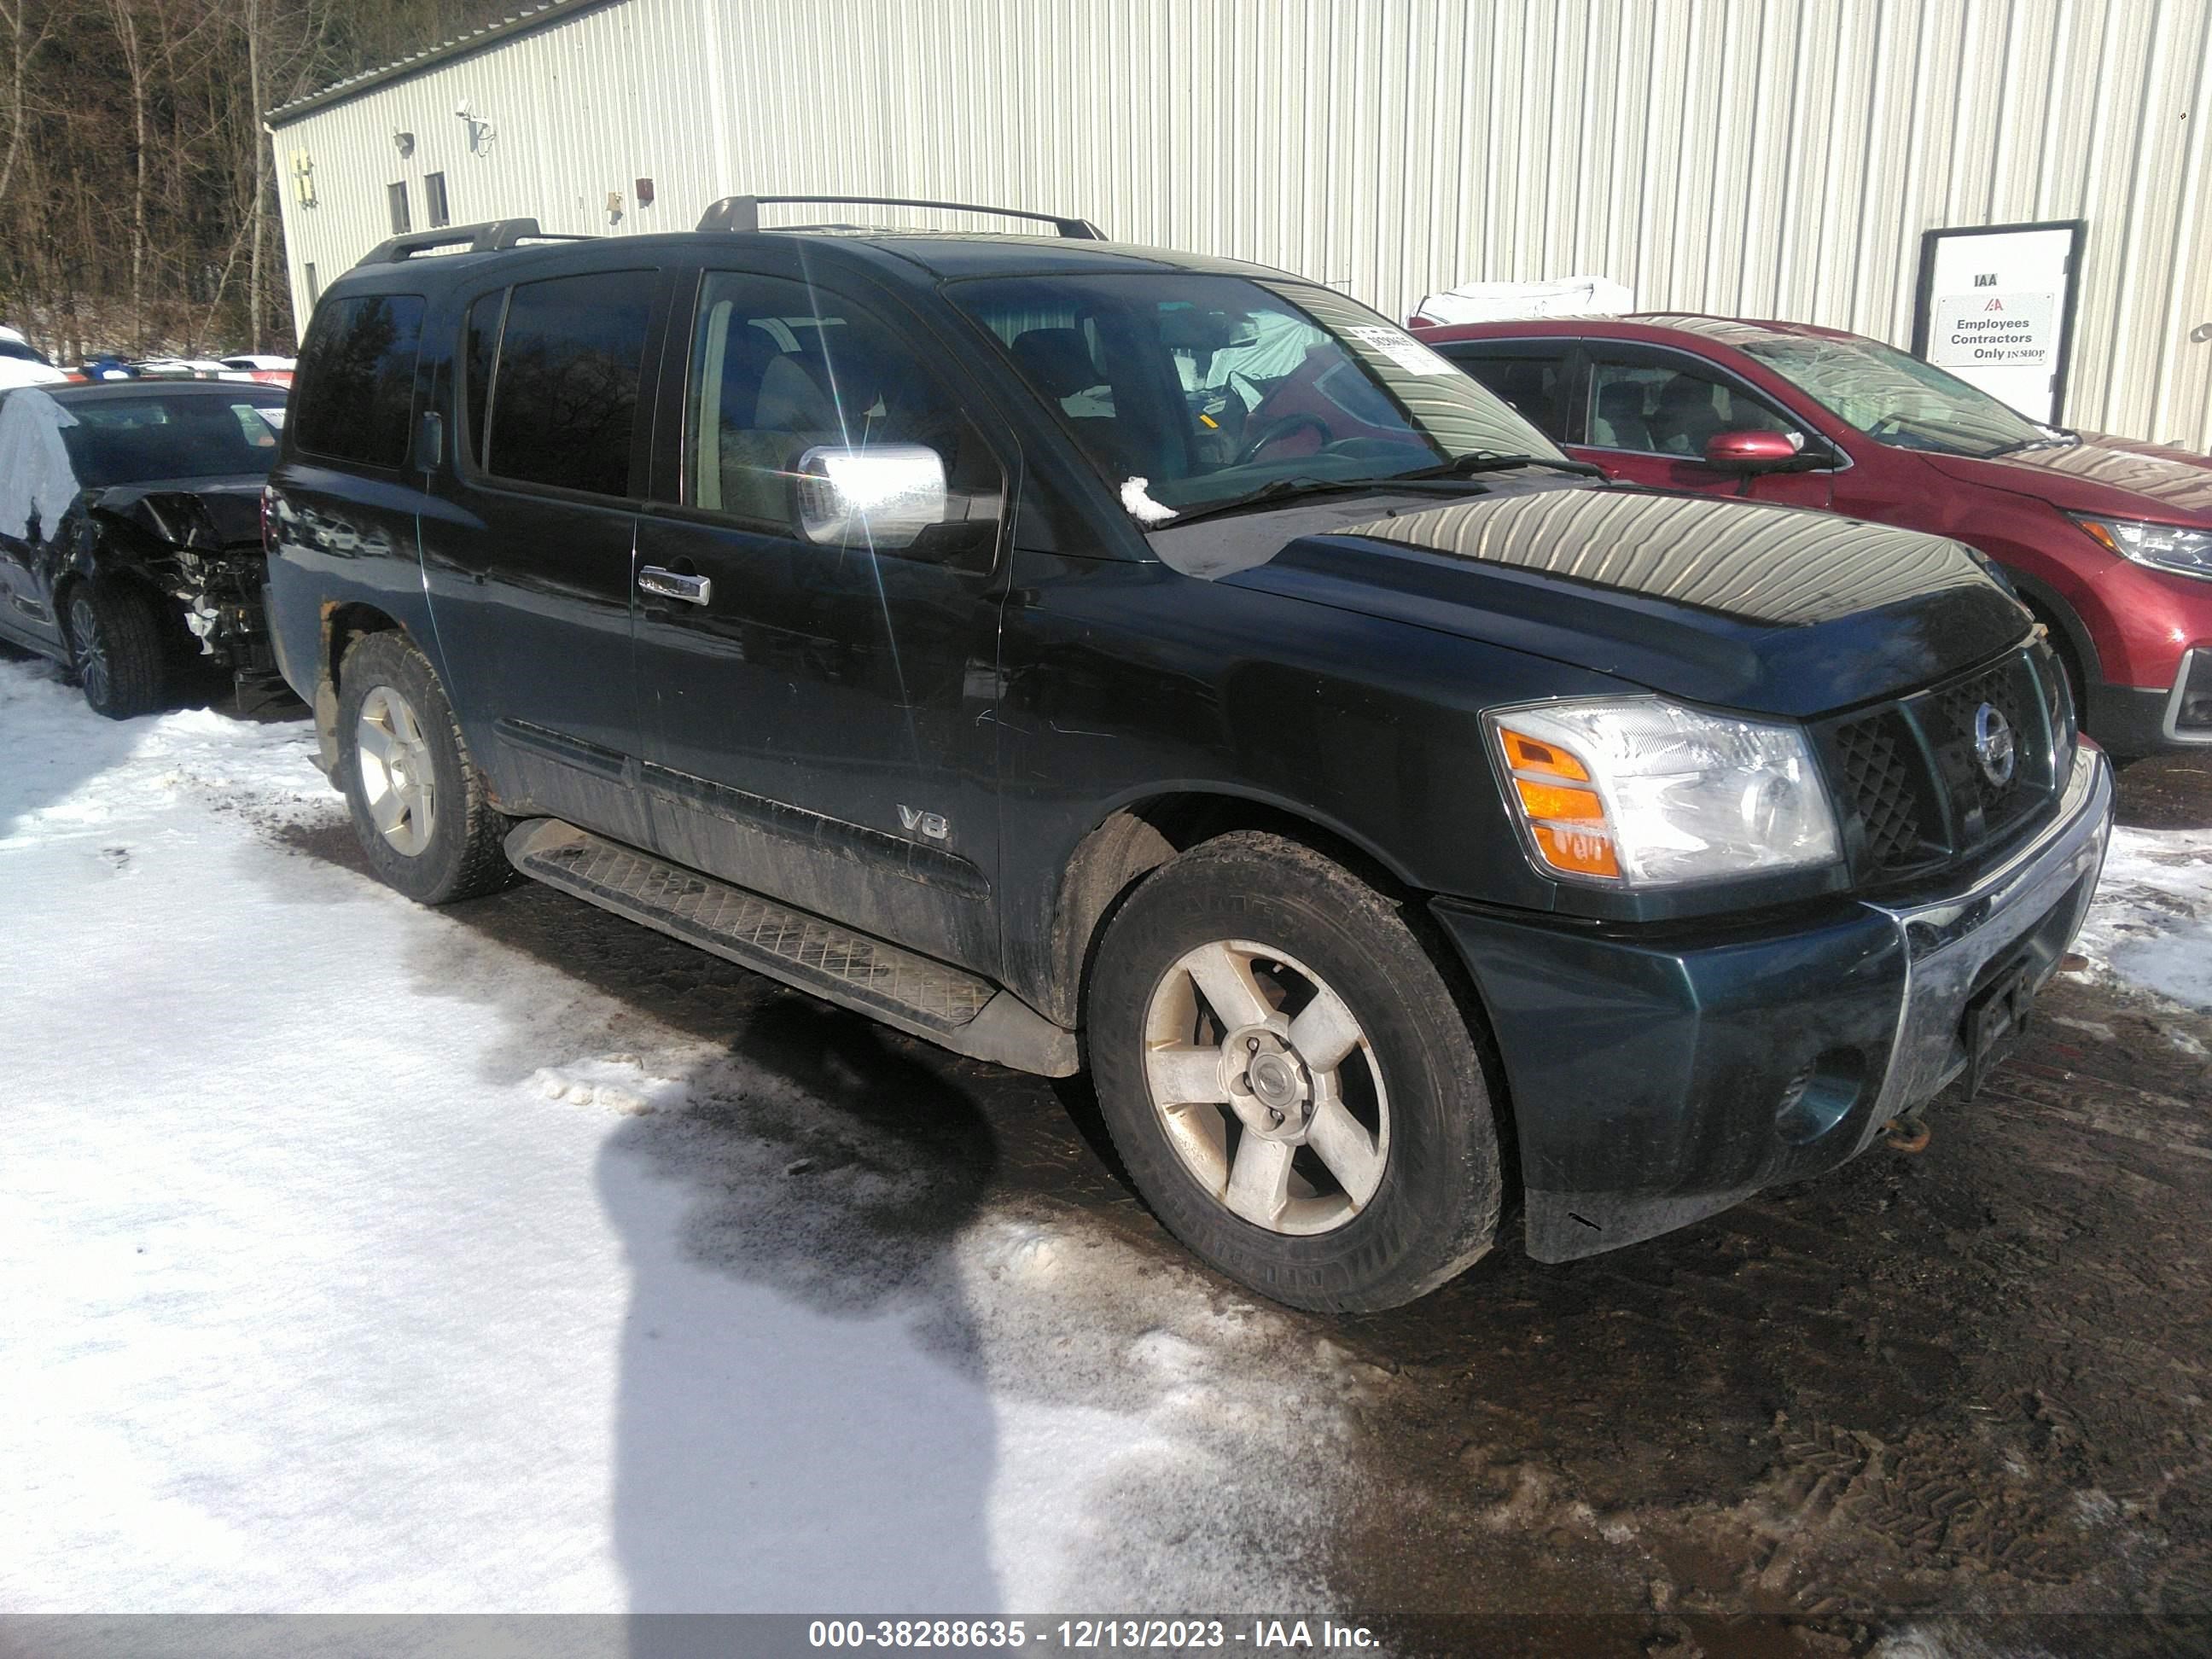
{"x":116,"y":647}
{"x":463,"y":858}
{"x":1435,"y":1211}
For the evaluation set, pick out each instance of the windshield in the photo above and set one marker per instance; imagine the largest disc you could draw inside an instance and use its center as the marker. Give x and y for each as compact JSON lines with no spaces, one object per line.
{"x":1188,"y":390}
{"x":1897,"y":399}
{"x":127,"y":441}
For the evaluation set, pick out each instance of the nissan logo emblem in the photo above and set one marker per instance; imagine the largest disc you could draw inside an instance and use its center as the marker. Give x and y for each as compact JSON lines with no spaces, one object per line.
{"x":1993,"y":745}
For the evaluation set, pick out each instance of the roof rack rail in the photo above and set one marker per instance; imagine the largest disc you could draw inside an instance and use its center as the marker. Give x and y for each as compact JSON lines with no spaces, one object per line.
{"x":742,"y":213}
{"x":492,"y":236}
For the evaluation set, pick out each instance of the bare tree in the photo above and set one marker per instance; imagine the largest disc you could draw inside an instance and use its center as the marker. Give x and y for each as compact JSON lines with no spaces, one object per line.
{"x":137,"y":179}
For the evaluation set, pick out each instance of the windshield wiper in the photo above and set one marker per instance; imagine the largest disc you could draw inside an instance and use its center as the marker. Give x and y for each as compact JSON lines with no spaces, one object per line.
{"x":1275,"y":489}
{"x":1482,"y":460}
{"x":2057,"y":437}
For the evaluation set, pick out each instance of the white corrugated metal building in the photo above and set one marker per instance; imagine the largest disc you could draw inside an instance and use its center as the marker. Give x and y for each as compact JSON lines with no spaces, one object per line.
{"x":1762,"y":158}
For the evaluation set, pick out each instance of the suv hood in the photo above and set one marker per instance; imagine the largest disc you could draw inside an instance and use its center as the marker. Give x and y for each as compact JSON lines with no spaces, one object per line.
{"x":1766,"y":609}
{"x":2113,"y":477}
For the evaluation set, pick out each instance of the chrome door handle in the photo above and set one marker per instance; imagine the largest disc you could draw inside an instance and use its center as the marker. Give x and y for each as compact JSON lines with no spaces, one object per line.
{"x":669,"y":585}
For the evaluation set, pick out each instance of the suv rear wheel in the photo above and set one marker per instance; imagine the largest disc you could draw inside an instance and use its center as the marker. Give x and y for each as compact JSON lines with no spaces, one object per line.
{"x":419,"y":805}
{"x":1290,"y":1081}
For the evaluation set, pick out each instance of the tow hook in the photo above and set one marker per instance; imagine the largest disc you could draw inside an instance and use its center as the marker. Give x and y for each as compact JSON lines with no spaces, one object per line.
{"x":1908,"y":1133}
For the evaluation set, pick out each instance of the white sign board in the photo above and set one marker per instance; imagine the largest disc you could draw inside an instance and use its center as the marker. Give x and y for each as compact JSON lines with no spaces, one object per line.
{"x":1994,"y":308}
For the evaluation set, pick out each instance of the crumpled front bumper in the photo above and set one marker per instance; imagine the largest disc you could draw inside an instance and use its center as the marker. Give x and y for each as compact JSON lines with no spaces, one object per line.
{"x":1656,"y":1082}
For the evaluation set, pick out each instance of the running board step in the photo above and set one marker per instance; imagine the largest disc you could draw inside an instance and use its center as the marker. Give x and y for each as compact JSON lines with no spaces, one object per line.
{"x":946,"y":1004}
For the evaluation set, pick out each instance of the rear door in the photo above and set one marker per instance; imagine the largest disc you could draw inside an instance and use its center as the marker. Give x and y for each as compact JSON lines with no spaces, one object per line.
{"x":528,"y":549}
{"x":1649,"y":411}
{"x":821,"y":714}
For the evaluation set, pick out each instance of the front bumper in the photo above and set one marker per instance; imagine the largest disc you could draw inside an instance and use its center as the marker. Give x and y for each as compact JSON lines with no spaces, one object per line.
{"x":1656,"y":1080}
{"x":2145,"y":720}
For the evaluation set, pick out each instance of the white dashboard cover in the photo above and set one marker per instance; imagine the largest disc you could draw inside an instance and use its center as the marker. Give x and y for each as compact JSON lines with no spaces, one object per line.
{"x":1495,"y":302}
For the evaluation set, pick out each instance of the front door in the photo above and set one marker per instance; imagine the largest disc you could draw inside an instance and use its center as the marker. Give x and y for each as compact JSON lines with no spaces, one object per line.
{"x":820,"y":714}
{"x":527,"y":549}
{"x":1649,"y":413}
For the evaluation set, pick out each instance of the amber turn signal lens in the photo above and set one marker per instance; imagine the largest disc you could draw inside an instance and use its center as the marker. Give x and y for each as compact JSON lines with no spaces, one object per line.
{"x":1556,"y":801}
{"x":1578,"y":851}
{"x":1525,"y":754}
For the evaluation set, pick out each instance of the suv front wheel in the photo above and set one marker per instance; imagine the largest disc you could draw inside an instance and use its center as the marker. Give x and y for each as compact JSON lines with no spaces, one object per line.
{"x":1290,"y":1081}
{"x":420,"y":806}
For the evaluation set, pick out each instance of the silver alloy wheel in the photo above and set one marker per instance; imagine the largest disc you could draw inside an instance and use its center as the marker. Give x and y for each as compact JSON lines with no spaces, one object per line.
{"x":91,"y":649}
{"x":398,"y":782}
{"x":1267,"y":1086}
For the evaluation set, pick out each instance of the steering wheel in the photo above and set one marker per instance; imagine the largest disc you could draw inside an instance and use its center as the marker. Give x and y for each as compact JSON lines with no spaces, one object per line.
{"x":1281,"y":426}
{"x":1888,"y":427}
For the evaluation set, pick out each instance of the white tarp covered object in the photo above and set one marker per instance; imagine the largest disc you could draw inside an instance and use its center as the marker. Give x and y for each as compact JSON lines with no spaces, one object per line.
{"x":35,"y":474}
{"x":1493,"y":302}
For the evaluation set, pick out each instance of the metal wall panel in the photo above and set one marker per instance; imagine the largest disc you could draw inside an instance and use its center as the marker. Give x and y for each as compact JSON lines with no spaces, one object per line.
{"x":1747,"y":157}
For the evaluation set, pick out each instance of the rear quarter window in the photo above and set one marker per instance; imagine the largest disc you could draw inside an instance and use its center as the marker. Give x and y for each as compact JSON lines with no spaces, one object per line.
{"x":354,"y":387}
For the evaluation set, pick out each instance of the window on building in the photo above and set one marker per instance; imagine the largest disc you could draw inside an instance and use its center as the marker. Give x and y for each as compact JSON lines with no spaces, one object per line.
{"x":433,"y":200}
{"x":356,"y":379}
{"x":314,"y":286}
{"x":1666,"y":409}
{"x":397,"y":195}
{"x":563,"y":402}
{"x":775,"y":373}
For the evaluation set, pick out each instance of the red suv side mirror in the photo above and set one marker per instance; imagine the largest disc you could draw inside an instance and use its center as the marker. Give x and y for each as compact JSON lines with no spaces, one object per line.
{"x":1750,"y":452}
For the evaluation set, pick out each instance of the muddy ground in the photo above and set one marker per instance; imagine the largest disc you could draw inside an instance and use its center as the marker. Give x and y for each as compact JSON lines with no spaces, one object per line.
{"x":1945,"y":1403}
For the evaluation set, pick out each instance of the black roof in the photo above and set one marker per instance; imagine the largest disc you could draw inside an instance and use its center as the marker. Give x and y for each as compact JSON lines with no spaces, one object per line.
{"x":899,"y":256}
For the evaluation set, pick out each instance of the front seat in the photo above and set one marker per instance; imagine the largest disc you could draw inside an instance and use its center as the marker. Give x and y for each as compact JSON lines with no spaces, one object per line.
{"x":1619,"y":423}
{"x":1686,"y":417}
{"x":1057,"y":362}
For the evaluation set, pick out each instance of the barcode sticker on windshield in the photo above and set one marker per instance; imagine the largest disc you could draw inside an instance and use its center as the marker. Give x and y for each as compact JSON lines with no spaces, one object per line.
{"x":1403,"y":349}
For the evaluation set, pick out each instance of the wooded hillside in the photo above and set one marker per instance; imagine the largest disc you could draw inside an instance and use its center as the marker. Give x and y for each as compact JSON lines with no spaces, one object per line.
{"x":138,"y":191}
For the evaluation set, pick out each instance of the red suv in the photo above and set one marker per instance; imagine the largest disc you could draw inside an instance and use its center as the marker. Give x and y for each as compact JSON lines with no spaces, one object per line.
{"x":2109,"y":541}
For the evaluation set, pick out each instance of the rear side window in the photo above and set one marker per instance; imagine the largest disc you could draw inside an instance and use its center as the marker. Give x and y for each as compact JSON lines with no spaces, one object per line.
{"x":563,"y":401}
{"x":355,"y":380}
{"x":1530,"y":385}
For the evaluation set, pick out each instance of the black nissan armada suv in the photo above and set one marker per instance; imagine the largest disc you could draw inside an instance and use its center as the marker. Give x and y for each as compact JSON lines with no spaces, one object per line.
{"x":1081,"y":655}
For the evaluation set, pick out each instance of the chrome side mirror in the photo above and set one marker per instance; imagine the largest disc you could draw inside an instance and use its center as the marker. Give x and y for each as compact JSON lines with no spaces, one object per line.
{"x":882,"y":496}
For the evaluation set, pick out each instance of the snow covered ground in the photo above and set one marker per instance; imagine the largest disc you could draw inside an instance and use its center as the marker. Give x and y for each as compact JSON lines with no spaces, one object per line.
{"x":2152,"y":924}
{"x":356,"y":1262}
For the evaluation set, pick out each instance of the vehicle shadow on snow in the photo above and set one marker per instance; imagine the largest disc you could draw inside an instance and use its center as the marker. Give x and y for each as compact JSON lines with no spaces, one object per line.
{"x":762,"y":1461}
{"x":802,"y":1476}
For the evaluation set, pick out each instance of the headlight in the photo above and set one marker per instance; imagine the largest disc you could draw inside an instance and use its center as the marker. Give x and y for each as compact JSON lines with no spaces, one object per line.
{"x":2160,"y":546}
{"x":1635,"y":792}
